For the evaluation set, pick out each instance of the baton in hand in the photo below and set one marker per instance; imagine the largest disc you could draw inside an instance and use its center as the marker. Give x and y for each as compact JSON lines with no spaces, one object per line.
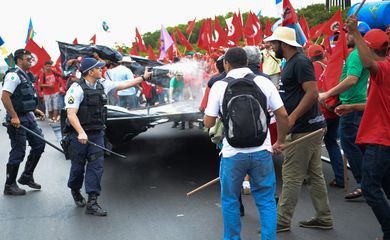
{"x":107,"y":150}
{"x":36,"y":135}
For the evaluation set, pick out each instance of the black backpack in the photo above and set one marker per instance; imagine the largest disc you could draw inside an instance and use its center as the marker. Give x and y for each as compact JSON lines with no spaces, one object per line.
{"x":245,"y":116}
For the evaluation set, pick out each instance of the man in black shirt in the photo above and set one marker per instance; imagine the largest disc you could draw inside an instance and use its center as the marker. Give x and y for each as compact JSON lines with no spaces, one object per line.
{"x":303,"y":160}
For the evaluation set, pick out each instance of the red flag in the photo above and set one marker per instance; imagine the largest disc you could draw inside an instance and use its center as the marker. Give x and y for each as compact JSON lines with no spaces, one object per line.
{"x":40,"y":56}
{"x":169,"y":55}
{"x":316,"y":31}
{"x":305,"y":27}
{"x":333,"y":25}
{"x":151,"y":54}
{"x":75,"y":41}
{"x":191,"y":25}
{"x":268,"y":27}
{"x":222,"y":35}
{"x":259,"y":33}
{"x":249,"y":30}
{"x":57,"y":65}
{"x":133,"y":50}
{"x":92,"y":41}
{"x":237,"y":29}
{"x":139,"y":41}
{"x":183,"y":40}
{"x":175,"y":48}
{"x":205,"y":35}
{"x":289,"y":15}
{"x":335,"y":63}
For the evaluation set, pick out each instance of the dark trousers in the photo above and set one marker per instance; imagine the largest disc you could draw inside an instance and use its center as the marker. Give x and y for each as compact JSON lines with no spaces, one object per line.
{"x":88,"y":159}
{"x":333,"y":149}
{"x":349,"y":125}
{"x":19,"y":136}
{"x":376,"y":180}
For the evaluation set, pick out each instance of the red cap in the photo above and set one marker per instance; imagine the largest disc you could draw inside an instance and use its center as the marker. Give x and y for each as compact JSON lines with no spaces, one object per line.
{"x":315,"y":50}
{"x":376,"y":39}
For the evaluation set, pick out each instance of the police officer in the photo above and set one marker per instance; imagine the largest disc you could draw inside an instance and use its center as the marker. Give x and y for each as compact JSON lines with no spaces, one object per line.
{"x":20,"y":100}
{"x":86,"y":114}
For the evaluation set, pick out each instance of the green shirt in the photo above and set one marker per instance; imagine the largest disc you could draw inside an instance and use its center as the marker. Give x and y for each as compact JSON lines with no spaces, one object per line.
{"x":358,"y":92}
{"x":176,"y":85}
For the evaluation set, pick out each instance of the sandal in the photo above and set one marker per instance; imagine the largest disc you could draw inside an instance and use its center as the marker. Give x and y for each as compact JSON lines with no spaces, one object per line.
{"x":333,"y":183}
{"x":354,"y":194}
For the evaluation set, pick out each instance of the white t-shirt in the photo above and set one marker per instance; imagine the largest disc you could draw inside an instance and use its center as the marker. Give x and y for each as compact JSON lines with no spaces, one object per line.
{"x":75,"y":94}
{"x":214,"y":106}
{"x":11,"y":81}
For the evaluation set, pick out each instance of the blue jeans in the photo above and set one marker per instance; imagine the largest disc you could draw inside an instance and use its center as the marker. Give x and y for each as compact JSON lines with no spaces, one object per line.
{"x":333,"y":148}
{"x":376,"y":177}
{"x":87,"y":163}
{"x":349,"y":125}
{"x":129,"y":101}
{"x":260,"y":168}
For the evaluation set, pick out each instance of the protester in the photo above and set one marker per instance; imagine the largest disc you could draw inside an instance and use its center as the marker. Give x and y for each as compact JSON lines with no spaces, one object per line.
{"x":352,"y":89}
{"x":271,"y":65}
{"x":374,"y":129}
{"x":256,"y":161}
{"x":303,"y":160}
{"x":85,"y":102}
{"x":128,"y":97}
{"x":20,"y":101}
{"x":317,"y":56}
{"x":49,"y":81}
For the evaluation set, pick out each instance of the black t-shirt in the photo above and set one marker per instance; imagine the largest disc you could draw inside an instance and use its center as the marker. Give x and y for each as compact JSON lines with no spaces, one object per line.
{"x":297,"y":70}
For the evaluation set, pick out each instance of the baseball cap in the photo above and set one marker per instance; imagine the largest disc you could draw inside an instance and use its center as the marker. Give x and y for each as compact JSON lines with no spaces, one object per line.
{"x":315,"y":50}
{"x":376,"y":39}
{"x":89,"y":63}
{"x":20,"y":52}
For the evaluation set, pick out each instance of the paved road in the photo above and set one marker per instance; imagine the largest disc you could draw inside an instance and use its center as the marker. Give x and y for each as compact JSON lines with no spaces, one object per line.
{"x":145,"y":196}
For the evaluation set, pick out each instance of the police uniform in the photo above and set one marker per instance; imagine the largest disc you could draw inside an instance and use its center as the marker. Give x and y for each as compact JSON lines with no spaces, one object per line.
{"x":24,"y":100}
{"x":90,"y":101}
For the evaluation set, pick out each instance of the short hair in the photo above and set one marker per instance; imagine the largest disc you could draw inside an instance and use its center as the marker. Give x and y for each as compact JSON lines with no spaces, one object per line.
{"x":50,"y":62}
{"x":253,"y":54}
{"x":236,"y":57}
{"x":219,"y":63}
{"x":20,"y":53}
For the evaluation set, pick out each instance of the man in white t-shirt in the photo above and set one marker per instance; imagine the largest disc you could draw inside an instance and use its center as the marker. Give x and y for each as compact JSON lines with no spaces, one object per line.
{"x":254,"y":161}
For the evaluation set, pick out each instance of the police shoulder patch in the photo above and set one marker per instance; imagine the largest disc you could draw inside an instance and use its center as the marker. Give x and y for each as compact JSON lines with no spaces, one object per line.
{"x":71,"y":100}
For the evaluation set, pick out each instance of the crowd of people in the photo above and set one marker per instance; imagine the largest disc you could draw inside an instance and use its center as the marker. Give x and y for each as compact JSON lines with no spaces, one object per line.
{"x":356,"y":110}
{"x":302,"y":107}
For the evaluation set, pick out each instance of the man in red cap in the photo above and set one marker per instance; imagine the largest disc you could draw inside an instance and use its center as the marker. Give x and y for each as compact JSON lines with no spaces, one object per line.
{"x":374,"y":130}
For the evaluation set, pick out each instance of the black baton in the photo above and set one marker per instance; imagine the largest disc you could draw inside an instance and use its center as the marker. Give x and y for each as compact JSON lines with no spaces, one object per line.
{"x":105,"y":149}
{"x":36,"y":135}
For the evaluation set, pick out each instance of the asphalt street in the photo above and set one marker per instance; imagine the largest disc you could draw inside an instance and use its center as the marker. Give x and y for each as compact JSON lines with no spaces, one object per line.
{"x":145,"y":196}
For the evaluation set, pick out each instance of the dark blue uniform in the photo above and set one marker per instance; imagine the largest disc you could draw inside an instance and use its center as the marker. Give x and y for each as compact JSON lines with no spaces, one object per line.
{"x":24,"y":101}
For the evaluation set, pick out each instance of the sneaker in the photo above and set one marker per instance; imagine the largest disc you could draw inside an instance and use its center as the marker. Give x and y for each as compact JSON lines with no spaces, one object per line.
{"x":246,"y":188}
{"x":316,"y":223}
{"x":282,"y":228}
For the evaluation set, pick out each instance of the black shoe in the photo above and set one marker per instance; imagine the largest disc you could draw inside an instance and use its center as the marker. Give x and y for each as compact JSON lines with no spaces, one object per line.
{"x":316,"y":223}
{"x":182,"y":126}
{"x":190,"y":124}
{"x":79,"y":200}
{"x":27,"y":176}
{"x":175,"y":124}
{"x":93,"y":207}
{"x":13,"y":189}
{"x":29,"y":181}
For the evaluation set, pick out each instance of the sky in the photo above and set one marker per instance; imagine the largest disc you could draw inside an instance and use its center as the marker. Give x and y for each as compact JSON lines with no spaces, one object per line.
{"x":55,"y":20}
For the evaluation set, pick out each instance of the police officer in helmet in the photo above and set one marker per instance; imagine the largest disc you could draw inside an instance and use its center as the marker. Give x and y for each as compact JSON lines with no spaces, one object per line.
{"x":86,"y":115}
{"x":20,"y":100}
